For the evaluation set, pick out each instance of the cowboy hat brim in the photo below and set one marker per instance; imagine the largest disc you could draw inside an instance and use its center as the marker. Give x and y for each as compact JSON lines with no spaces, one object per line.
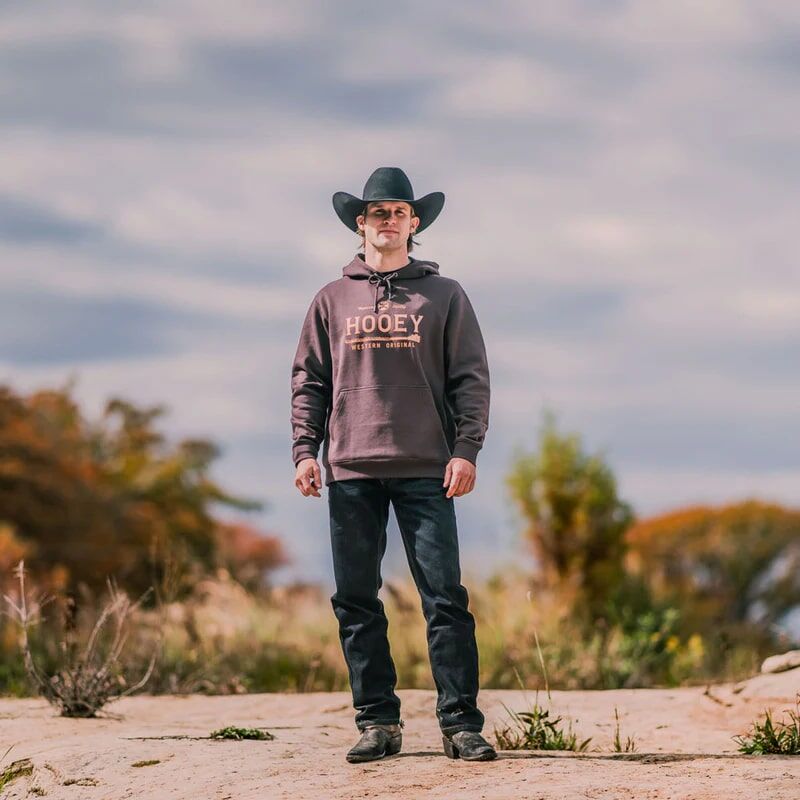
{"x":427,"y":208}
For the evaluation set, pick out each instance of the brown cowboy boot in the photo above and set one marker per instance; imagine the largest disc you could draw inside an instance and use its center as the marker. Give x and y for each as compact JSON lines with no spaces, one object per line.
{"x":377,"y":741}
{"x":469,"y":746}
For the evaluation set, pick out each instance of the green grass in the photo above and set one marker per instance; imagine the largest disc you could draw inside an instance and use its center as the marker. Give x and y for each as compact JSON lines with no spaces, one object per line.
{"x":15,"y":769}
{"x":629,"y":745}
{"x":768,"y":737}
{"x":232,"y":732}
{"x":534,"y":730}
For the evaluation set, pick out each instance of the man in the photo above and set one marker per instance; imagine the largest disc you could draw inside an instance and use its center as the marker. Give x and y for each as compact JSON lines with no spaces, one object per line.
{"x":390,"y":376}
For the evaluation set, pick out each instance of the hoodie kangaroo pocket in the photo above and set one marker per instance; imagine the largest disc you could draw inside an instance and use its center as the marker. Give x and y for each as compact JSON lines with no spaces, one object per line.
{"x":380,"y":423}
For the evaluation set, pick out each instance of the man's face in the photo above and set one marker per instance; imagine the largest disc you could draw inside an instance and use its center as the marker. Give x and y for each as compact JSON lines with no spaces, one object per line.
{"x":388,"y":224}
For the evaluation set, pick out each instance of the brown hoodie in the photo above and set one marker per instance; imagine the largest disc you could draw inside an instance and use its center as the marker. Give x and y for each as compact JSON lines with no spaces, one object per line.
{"x":390,"y":374}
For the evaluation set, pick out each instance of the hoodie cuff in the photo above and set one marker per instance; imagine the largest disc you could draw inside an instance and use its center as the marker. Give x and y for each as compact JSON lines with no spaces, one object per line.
{"x":464,"y":449}
{"x":303,"y":452}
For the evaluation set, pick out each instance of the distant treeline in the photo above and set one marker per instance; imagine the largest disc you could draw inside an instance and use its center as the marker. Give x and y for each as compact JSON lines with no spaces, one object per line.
{"x":600,"y":598}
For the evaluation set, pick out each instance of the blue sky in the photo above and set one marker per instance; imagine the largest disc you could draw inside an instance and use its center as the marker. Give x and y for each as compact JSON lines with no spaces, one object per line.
{"x":622,"y":208}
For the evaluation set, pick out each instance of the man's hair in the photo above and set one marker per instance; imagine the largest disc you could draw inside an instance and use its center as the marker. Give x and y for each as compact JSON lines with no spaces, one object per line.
{"x":409,"y":242}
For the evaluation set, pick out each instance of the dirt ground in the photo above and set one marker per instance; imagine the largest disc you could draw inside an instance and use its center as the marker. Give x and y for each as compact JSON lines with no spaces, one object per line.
{"x":683,"y":741}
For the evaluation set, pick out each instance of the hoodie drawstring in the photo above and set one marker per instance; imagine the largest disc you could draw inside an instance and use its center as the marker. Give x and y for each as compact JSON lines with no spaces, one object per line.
{"x":382,"y":280}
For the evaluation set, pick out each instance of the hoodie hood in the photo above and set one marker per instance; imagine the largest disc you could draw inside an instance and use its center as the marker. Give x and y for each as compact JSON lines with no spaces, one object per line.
{"x":358,"y":269}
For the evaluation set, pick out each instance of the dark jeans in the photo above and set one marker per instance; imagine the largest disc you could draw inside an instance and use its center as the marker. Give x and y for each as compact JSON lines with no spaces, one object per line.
{"x":359,"y":512}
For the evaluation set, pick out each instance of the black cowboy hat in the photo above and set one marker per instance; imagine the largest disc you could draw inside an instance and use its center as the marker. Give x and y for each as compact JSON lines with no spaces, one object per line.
{"x":388,"y":183}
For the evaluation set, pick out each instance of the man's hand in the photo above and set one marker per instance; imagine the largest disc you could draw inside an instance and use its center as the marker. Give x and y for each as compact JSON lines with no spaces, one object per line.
{"x":460,"y":474}
{"x":307,"y":478}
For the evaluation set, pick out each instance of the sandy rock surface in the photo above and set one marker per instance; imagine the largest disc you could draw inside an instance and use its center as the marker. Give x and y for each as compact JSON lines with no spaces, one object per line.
{"x":683,"y":741}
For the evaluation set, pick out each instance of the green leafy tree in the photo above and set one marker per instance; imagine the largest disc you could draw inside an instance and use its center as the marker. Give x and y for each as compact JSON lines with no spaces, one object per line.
{"x":574,"y":521}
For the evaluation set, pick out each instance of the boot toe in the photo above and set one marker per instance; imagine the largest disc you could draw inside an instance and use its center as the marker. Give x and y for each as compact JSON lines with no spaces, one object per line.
{"x":469,"y":746}
{"x":376,"y":742}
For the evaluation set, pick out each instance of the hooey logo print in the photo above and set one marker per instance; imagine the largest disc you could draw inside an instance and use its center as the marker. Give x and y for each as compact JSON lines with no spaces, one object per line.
{"x":388,"y":328}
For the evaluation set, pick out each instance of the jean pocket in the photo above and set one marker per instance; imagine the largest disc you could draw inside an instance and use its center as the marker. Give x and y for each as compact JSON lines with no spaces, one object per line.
{"x":384,"y":422}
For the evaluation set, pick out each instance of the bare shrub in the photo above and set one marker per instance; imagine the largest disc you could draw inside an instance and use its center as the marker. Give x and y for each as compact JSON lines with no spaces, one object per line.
{"x":87,"y":679}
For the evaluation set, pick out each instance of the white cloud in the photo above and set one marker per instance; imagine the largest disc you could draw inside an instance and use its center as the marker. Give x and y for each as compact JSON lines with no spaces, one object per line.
{"x":506,"y":86}
{"x":216,"y":389}
{"x":74,"y":276}
{"x":153,"y":24}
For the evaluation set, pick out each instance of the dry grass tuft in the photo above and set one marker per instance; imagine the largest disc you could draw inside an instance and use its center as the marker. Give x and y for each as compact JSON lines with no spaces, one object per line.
{"x":89,"y":679}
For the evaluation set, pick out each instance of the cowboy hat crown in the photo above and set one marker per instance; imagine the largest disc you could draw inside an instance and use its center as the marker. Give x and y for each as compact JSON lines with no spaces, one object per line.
{"x":388,"y":183}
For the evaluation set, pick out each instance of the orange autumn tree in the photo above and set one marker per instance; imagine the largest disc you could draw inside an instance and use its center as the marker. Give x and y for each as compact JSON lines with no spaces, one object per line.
{"x":574,"y":522}
{"x":249,"y":555}
{"x":732,"y":565}
{"x":111,"y":498}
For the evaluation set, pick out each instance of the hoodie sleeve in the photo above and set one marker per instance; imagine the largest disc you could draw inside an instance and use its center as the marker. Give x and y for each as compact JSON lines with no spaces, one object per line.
{"x":311,"y":383}
{"x":466,"y":376}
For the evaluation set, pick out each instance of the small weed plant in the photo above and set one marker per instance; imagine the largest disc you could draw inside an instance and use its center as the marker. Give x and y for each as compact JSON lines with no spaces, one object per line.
{"x":233,"y":732}
{"x":629,"y":746}
{"x":16,"y":769}
{"x":534,"y":730}
{"x":768,"y":737}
